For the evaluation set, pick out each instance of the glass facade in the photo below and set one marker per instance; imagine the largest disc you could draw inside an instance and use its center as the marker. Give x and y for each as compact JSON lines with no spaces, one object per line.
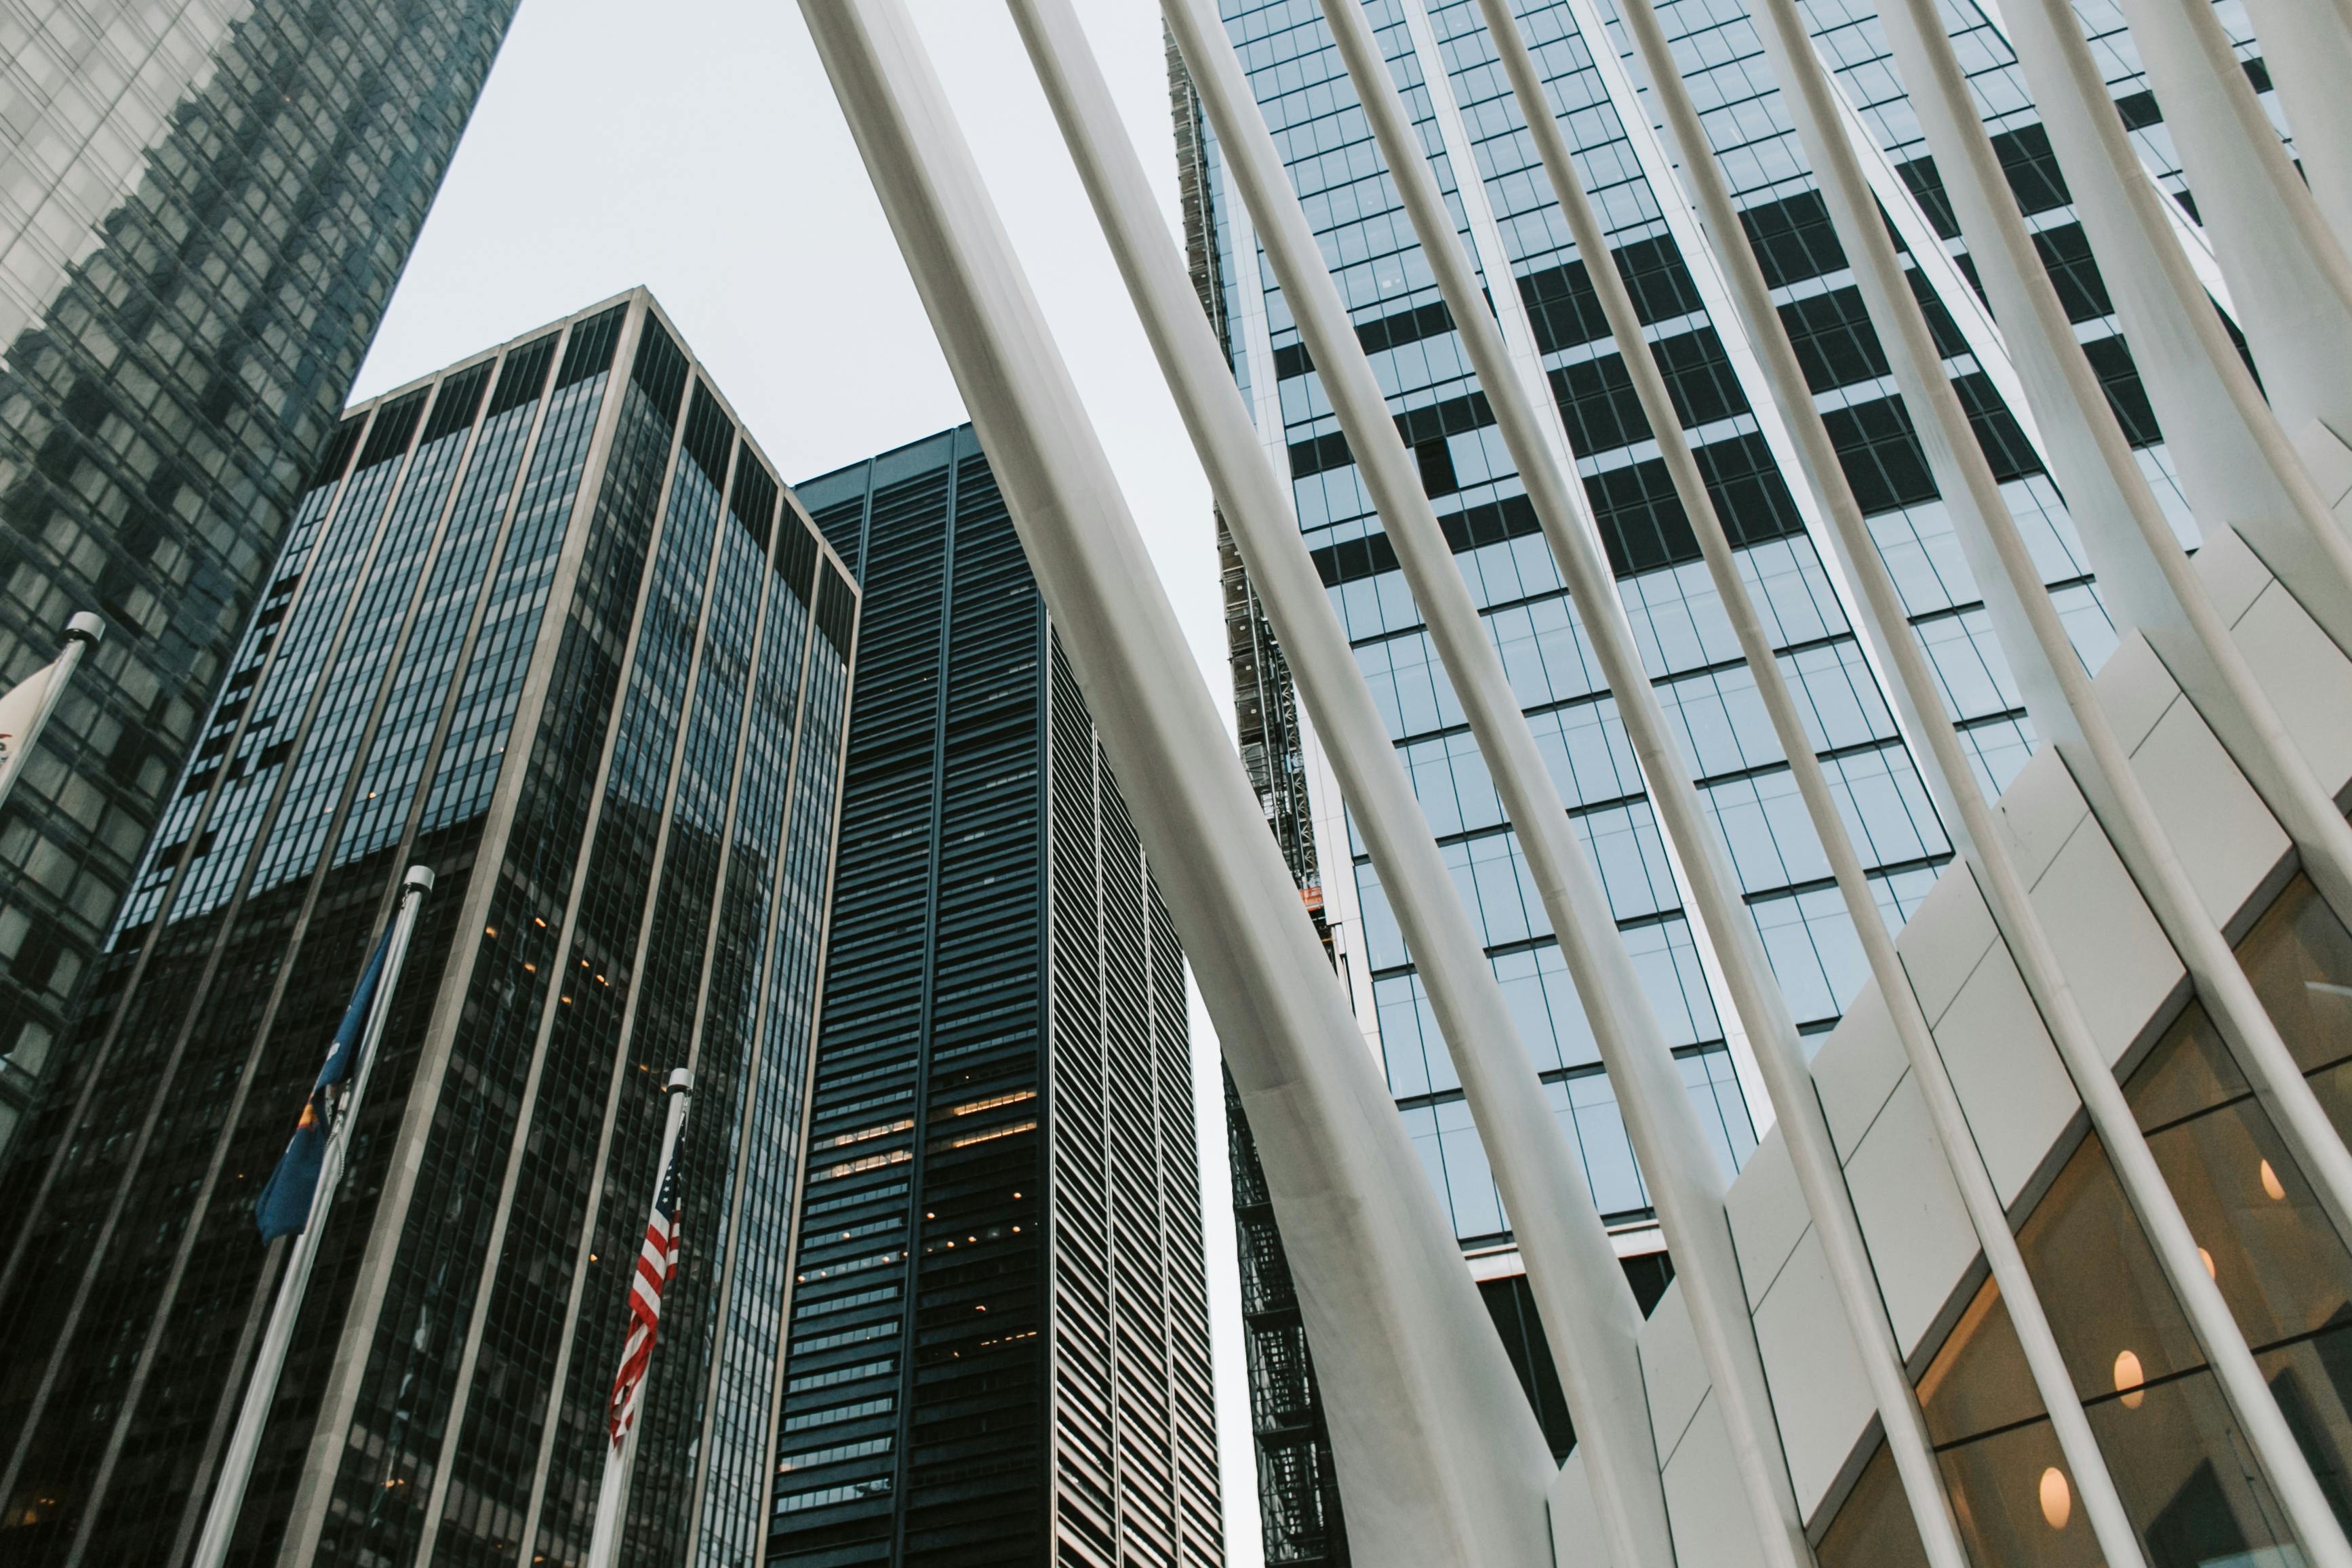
{"x":546,"y":624}
{"x":998,"y":1334}
{"x":203,"y":210}
{"x":1479,"y":146}
{"x":2186,"y":1473}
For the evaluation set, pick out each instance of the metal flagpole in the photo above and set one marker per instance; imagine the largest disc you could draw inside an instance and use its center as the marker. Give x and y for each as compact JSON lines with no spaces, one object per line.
{"x":261,"y":1390}
{"x":84,"y":631}
{"x":604,"y":1542}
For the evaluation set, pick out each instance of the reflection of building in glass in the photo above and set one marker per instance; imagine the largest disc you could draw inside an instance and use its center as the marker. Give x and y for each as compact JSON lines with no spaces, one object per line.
{"x":1468,"y":116}
{"x":979,"y":1371}
{"x":546,"y":624}
{"x":203,"y":210}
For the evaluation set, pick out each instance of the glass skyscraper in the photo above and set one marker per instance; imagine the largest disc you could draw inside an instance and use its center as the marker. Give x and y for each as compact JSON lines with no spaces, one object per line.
{"x":1487,"y":164}
{"x":549,"y":624}
{"x":998,"y":1338}
{"x":203,"y":210}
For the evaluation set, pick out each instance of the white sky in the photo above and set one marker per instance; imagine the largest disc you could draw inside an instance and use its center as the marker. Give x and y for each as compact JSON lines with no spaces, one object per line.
{"x":703,"y":156}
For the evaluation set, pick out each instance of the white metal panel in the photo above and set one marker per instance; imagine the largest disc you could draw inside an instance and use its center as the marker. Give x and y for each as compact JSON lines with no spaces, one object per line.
{"x":1768,"y":1214}
{"x":2007,"y":1073}
{"x":1671,"y":1373}
{"x":2114,"y":954}
{"x":1945,"y":940}
{"x":1857,"y":1068}
{"x":1709,"y":1530}
{"x":1920,"y":1240}
{"x":2227,"y":842}
{"x":1818,"y":1393}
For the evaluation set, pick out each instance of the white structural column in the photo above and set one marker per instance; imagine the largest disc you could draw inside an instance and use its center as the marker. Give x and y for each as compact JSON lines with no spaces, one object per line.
{"x":1955,"y":1140}
{"x":1763,"y":1007}
{"x":2058,"y":690}
{"x":1909,"y":345}
{"x":2145,"y":576}
{"x":1685,"y":1182}
{"x":1589,"y":1316}
{"x":2237,"y":463}
{"x":2308,"y":44}
{"x":1439,"y":1455}
{"x":2288,"y":273}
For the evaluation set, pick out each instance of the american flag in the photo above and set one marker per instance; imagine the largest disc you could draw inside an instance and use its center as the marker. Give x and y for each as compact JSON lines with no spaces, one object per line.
{"x":656,"y":1265}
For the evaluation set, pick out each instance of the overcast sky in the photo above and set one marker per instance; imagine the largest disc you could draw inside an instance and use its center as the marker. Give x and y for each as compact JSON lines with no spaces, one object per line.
{"x":702,"y":155}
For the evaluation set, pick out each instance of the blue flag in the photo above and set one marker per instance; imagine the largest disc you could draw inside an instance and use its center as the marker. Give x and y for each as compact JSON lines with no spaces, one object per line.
{"x":285,"y":1206}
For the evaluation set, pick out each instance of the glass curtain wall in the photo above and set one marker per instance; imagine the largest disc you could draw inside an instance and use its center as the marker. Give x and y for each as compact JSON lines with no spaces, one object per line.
{"x":1485,"y":163}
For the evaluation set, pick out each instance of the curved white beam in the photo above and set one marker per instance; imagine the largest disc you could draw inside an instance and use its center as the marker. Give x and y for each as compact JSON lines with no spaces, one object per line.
{"x":1954,"y":1139}
{"x":1590,"y":1319}
{"x":1529,"y":431}
{"x":2288,"y":274}
{"x":1443,"y":1462}
{"x":2308,"y":44}
{"x":2066,"y":709}
{"x":2237,"y":464}
{"x":1686,"y":1184}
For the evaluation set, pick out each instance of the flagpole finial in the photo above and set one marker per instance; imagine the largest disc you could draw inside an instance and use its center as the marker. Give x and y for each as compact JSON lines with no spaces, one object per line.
{"x":84,"y":627}
{"x":681,"y":1082}
{"x":419,"y":877}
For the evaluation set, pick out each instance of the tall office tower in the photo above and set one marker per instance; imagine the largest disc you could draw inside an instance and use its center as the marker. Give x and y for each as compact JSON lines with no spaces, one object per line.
{"x":998,"y":1344}
{"x":1468,"y":117}
{"x":549,"y":626}
{"x":203,"y":211}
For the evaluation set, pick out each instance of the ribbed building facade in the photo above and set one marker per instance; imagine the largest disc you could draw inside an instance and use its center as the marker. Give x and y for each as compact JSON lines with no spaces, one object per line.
{"x":998,"y":1338}
{"x":1442,"y":57}
{"x":549,"y":625}
{"x":203,"y":211}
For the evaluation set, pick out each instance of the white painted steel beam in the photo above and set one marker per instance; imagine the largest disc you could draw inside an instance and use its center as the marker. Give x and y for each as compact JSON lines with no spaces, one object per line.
{"x":2308,"y":46}
{"x":2058,"y":690}
{"x":2288,"y":273}
{"x":1438,"y":1453}
{"x":2066,"y":709}
{"x":1762,"y":1005}
{"x":2144,"y":574}
{"x":2236,"y":462}
{"x":1685,"y":1181}
{"x":1590,"y":1319}
{"x":2102,"y":1505}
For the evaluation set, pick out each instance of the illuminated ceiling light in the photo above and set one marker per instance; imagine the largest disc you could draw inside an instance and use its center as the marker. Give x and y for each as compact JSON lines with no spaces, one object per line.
{"x":2128,"y":1379}
{"x":2272,"y":1185}
{"x":2057,"y":1497}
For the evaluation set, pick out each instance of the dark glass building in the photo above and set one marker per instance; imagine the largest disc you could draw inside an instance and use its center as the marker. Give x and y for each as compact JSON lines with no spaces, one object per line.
{"x":998,"y":1346}
{"x":203,"y":210}
{"x":548,"y":624}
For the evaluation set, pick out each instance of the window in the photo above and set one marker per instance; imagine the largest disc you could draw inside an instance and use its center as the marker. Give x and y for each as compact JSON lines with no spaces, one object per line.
{"x":2185,"y":1471}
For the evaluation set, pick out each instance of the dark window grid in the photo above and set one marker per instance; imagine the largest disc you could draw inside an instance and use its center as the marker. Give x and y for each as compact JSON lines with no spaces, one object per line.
{"x":284,"y":701}
{"x":606,"y":934}
{"x":433,"y":1284}
{"x":454,"y":590}
{"x":334,"y":943}
{"x":476,"y":745}
{"x":704,"y":917}
{"x":318,"y":783}
{"x":203,"y":769}
{"x":191,"y":796}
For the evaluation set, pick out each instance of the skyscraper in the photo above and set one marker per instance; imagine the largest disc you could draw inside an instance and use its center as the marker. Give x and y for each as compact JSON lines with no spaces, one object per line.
{"x":998,"y":1337}
{"x":549,"y":625}
{"x":203,"y":211}
{"x":1467,"y":112}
